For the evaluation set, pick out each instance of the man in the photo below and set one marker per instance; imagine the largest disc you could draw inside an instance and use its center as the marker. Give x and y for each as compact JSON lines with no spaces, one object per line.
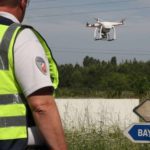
{"x":26,"y":65}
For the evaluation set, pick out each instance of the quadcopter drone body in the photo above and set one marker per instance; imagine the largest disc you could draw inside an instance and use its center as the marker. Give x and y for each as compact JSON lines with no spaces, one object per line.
{"x":103,"y":28}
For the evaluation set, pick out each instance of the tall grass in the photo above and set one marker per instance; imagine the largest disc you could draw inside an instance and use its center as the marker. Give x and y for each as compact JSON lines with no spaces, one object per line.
{"x":91,"y":139}
{"x":90,"y":136}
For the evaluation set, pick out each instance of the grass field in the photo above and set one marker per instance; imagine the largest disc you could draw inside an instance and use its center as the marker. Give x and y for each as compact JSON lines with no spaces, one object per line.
{"x":91,"y":139}
{"x":82,"y":133}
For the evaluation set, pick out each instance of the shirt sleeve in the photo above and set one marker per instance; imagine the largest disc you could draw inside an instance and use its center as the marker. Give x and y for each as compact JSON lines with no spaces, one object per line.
{"x":31,"y":64}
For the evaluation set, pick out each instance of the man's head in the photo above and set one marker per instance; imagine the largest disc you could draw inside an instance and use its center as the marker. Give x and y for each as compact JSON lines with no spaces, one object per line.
{"x":15,"y":7}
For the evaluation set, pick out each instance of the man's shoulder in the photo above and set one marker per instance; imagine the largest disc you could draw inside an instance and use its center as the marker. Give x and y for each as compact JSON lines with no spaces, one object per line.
{"x":28,"y":30}
{"x":26,"y":35}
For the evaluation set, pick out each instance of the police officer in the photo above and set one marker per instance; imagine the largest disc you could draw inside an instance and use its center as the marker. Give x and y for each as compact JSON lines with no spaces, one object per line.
{"x":28,"y":77}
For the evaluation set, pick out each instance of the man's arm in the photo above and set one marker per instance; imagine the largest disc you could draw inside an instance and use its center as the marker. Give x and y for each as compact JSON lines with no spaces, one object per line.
{"x":47,"y":118}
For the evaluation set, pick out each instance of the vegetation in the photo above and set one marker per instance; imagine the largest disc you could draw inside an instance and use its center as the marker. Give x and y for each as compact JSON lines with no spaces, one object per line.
{"x":97,"y":78}
{"x":107,"y":79}
{"x":101,"y":140}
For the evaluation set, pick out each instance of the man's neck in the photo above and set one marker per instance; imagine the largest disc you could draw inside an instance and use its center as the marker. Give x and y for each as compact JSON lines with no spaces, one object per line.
{"x":15,"y":11}
{"x":9,"y":16}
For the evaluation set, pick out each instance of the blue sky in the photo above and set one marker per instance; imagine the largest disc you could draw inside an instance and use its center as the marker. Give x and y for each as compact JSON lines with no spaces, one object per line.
{"x":62,"y":23}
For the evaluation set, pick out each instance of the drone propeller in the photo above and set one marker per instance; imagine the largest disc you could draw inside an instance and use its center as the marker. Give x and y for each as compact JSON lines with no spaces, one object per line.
{"x":123,"y":20}
{"x":98,"y":19}
{"x":87,"y":24}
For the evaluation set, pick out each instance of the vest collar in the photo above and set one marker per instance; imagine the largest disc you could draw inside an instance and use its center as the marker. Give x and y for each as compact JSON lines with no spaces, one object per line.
{"x":7,"y":18}
{"x":5,"y":21}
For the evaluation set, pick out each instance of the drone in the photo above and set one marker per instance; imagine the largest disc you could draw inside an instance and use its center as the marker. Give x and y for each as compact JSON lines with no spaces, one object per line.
{"x":103,"y":29}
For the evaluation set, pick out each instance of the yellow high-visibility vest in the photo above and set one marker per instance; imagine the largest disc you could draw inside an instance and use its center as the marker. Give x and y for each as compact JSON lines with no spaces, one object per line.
{"x":13,"y":124}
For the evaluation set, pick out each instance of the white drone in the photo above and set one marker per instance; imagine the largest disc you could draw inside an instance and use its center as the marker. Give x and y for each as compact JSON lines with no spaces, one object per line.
{"x":103,"y":28}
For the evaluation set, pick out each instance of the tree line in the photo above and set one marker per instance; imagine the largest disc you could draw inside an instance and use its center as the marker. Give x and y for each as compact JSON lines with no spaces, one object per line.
{"x":96,"y":78}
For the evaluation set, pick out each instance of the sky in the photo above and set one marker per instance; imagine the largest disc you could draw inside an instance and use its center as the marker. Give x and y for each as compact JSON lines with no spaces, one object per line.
{"x":62,"y":23}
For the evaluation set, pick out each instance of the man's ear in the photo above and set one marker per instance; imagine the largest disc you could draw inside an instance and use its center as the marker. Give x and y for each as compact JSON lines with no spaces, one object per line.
{"x":23,"y":4}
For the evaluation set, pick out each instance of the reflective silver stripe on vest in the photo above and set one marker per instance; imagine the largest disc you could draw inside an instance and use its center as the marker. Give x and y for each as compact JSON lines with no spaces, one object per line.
{"x":4,"y":46}
{"x":12,"y":99}
{"x":12,"y":121}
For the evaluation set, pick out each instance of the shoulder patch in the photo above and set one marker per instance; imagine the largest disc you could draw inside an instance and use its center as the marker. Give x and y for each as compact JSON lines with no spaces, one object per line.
{"x":41,"y":65}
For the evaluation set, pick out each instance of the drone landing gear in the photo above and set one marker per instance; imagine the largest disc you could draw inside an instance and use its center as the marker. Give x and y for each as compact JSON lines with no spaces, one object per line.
{"x":110,"y":39}
{"x":104,"y":37}
{"x":99,"y":34}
